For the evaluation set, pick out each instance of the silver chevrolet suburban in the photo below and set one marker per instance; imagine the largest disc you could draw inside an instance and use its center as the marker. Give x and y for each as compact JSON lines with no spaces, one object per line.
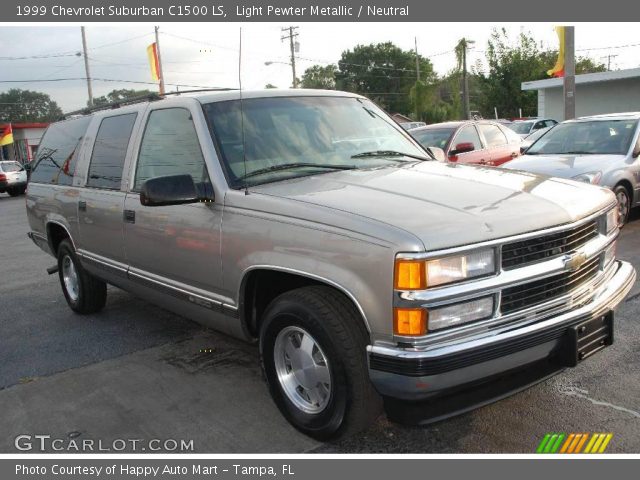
{"x":311,"y":222}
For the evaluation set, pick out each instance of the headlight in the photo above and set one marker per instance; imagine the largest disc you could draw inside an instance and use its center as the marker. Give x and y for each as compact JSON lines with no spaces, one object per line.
{"x":460,"y":313}
{"x":421,"y":274}
{"x":612,"y":220}
{"x":589,"y":177}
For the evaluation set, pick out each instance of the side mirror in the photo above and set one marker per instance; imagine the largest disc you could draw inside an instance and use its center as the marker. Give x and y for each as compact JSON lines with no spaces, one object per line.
{"x":636,"y":150}
{"x":172,"y":190}
{"x":463,"y":147}
{"x":524,"y":148}
{"x":437,"y":153}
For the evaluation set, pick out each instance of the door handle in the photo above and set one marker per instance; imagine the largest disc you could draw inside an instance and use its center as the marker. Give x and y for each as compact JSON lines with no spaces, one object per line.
{"x":129,"y":216}
{"x":82,"y":206}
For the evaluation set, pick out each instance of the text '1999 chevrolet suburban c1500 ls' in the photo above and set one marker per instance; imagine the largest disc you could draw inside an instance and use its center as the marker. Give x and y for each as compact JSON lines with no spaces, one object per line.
{"x":310,"y":221}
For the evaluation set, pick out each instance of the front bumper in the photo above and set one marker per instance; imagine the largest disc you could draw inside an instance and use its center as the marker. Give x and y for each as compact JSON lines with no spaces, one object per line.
{"x":420,"y":373}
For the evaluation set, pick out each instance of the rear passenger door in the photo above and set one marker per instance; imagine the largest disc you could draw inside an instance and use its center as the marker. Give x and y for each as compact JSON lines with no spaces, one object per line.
{"x":499,"y":149}
{"x":101,"y":202}
{"x":175,"y":248}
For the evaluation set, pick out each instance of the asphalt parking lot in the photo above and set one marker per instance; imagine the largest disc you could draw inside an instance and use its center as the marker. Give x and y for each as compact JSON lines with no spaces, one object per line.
{"x":136,"y":371}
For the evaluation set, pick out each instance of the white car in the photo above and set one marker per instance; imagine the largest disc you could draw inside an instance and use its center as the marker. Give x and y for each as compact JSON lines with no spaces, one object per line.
{"x":527,"y":127}
{"x":13,"y":178}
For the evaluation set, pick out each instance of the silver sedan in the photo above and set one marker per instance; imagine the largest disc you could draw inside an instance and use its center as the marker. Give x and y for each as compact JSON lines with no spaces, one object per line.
{"x":601,"y":150}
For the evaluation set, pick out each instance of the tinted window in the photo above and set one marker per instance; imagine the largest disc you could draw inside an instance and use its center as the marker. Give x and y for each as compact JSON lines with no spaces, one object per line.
{"x":170,"y":147}
{"x":493,"y":135}
{"x":110,"y":150}
{"x":58,"y":152}
{"x":469,"y":134}
{"x":433,"y":137}
{"x":521,"y":127}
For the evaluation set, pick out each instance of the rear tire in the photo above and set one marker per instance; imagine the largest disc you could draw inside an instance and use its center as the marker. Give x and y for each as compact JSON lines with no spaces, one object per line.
{"x":14,"y":192}
{"x":624,"y":203}
{"x":313,"y":348}
{"x":84,"y":293}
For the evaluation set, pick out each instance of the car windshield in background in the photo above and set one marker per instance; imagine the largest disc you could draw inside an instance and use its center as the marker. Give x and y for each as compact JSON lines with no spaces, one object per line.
{"x":520,"y":127}
{"x":286,"y":137}
{"x":588,"y":137}
{"x":10,"y":167}
{"x":433,"y":137}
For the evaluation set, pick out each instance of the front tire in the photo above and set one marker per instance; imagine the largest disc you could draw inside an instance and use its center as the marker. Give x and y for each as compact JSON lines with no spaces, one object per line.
{"x":14,"y":192}
{"x":313,"y":348}
{"x":84,"y":293}
{"x":624,"y":203}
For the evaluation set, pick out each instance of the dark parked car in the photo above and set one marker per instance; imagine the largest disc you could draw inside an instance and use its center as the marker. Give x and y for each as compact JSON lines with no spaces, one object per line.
{"x":478,"y":142}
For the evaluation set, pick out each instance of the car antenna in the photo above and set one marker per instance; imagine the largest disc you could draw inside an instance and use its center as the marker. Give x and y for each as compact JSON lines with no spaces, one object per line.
{"x":244,"y":150}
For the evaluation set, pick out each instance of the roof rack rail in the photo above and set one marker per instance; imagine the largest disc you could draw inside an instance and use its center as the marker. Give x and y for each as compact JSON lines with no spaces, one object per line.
{"x":137,"y":99}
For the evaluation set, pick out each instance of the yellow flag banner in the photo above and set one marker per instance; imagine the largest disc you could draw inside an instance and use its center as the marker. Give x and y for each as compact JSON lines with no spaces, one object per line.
{"x":152,"y":53}
{"x":6,"y":135}
{"x":558,"y":69}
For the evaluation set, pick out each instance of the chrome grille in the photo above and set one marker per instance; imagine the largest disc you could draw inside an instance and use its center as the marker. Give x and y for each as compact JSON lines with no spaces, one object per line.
{"x":525,"y":252}
{"x":540,"y":291}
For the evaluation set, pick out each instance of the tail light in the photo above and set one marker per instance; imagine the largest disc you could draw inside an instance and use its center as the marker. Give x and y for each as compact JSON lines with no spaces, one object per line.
{"x":3,"y":177}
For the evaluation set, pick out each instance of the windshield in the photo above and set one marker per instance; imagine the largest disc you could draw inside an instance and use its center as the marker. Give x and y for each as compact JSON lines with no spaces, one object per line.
{"x":10,"y":167}
{"x":589,"y":137}
{"x":286,"y":137}
{"x":520,"y":127}
{"x":433,"y":137}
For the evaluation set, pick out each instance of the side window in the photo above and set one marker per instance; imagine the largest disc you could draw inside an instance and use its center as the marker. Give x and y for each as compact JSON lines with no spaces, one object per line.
{"x":468,"y":134}
{"x":110,"y":150}
{"x":493,"y":135}
{"x":170,"y":147}
{"x":550,"y":123}
{"x":512,"y":137}
{"x":58,"y":152}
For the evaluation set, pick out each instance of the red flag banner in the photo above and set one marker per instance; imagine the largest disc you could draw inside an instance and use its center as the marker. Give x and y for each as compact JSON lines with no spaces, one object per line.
{"x":6,"y":135}
{"x":558,"y":69}
{"x":152,"y":53}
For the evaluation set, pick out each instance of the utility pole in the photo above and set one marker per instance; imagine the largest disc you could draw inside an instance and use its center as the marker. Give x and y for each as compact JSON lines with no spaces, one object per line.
{"x":465,"y":77}
{"x":159,"y":62}
{"x":86,"y":66}
{"x":569,"y":85}
{"x":609,"y":57}
{"x":292,"y":46}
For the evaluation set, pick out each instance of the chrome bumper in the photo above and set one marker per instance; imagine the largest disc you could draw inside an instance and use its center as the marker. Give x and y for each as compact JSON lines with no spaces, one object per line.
{"x":418,"y":373}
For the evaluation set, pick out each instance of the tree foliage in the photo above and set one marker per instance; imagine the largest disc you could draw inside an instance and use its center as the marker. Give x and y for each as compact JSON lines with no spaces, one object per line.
{"x":510,"y":64}
{"x":18,"y":105}
{"x":383,"y":72}
{"x":119,"y":96}
{"x":319,"y":76}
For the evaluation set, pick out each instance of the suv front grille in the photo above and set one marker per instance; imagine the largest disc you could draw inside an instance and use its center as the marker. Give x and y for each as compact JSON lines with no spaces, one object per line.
{"x":533,"y":250}
{"x":540,"y":291}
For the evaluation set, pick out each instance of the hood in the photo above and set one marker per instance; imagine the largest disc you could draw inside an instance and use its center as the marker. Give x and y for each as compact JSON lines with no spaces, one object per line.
{"x":447,"y":204}
{"x":564,"y":166}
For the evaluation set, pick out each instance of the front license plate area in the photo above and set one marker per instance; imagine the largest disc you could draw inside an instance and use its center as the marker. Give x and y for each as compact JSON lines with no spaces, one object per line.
{"x":587,"y":338}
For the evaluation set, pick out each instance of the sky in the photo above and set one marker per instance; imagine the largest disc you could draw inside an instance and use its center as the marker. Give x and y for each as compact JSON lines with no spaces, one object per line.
{"x":206,"y":54}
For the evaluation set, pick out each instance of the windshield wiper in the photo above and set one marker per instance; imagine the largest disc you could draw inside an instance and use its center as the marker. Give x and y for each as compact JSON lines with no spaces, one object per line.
{"x":388,"y":153}
{"x":576,"y":152}
{"x":289,"y":166}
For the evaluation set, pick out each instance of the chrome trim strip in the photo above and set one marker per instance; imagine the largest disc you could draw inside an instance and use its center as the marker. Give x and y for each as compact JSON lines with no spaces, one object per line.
{"x":607,"y":298}
{"x":119,"y":267}
{"x":502,"y":241}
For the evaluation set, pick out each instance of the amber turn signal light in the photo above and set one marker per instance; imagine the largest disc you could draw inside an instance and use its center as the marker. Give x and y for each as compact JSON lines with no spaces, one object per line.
{"x":410,"y":275}
{"x":409,"y":321}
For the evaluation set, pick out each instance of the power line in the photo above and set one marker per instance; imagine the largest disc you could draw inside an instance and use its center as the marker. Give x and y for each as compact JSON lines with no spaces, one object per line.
{"x":53,"y":80}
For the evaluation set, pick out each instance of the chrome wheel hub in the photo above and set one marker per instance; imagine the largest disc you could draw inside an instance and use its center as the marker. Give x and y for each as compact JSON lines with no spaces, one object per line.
{"x":623,"y":205}
{"x":70,"y":278}
{"x":302,"y":370}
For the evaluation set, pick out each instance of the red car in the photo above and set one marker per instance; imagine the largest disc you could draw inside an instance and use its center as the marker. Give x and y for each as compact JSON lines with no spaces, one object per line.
{"x":478,"y":141}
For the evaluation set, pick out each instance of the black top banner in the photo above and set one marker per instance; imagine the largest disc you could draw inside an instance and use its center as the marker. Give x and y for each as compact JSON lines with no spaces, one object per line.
{"x":316,"y":11}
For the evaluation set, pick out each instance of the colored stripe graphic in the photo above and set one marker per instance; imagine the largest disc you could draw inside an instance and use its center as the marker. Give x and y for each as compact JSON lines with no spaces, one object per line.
{"x":574,"y":443}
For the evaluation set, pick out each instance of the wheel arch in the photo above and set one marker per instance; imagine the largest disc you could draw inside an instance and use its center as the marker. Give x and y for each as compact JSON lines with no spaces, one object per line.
{"x":253,"y":300}
{"x":56,"y":233}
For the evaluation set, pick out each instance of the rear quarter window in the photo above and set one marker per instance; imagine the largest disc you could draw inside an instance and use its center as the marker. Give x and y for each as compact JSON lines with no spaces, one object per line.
{"x":58,"y":152}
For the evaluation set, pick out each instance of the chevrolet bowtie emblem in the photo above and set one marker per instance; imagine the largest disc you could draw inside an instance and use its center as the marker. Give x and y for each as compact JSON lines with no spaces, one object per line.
{"x":574,"y":261}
